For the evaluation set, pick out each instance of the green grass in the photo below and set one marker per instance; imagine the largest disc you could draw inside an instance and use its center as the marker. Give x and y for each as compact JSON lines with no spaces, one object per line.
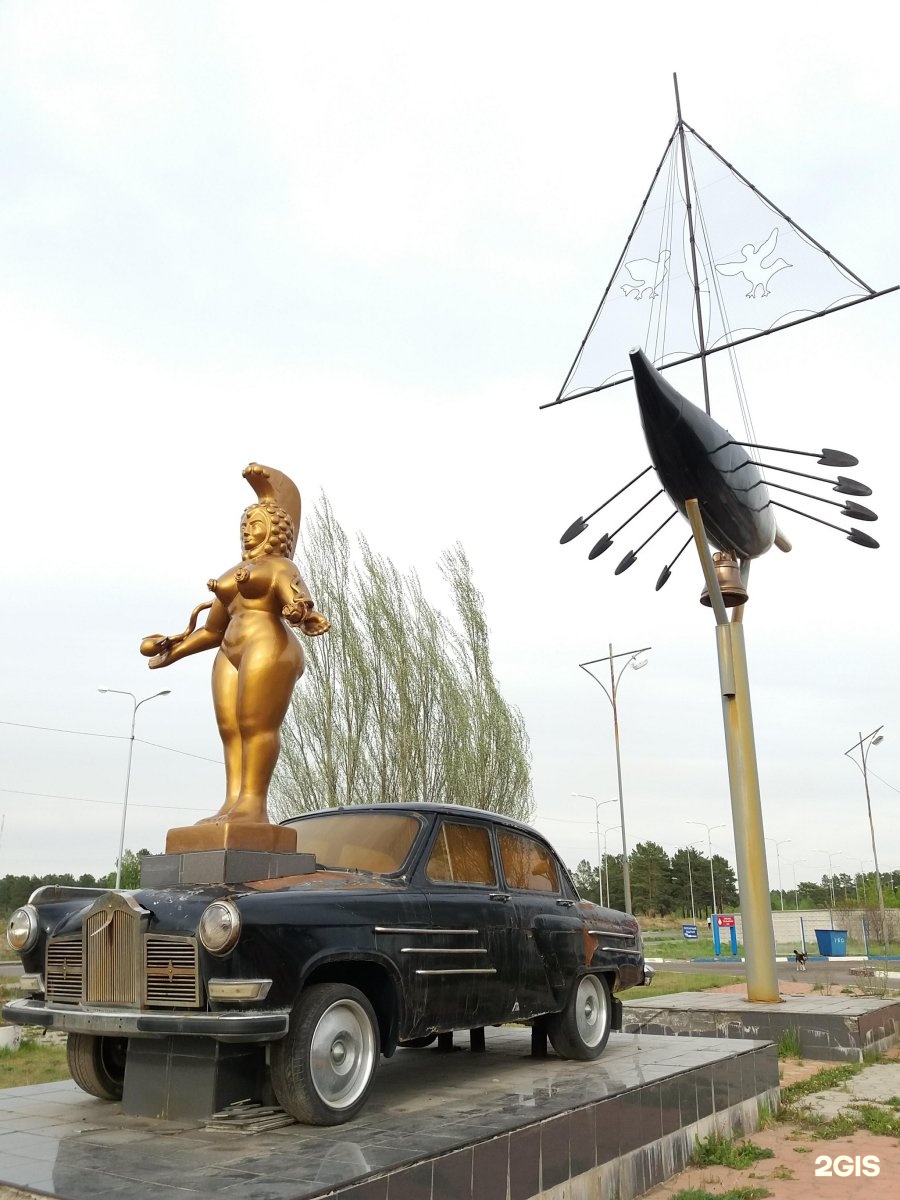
{"x":873,"y":1117}
{"x":719,"y":1151}
{"x":665,"y":982}
{"x":827,"y":1078}
{"x":750,"y":1193}
{"x":33,"y":1062}
{"x":789,"y":1044}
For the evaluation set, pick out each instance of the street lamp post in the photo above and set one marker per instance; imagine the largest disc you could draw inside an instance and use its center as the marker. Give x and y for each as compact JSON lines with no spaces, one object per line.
{"x":830,"y":874}
{"x":597,"y":805}
{"x":610,"y":829}
{"x":712,"y":878}
{"x":783,"y":842}
{"x":691,"y":885}
{"x":864,"y":745}
{"x":136,"y":704}
{"x":611,"y":695}
{"x":794,"y":866}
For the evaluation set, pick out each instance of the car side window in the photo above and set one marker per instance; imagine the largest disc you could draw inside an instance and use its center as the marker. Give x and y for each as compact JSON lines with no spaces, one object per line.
{"x":527,"y":864}
{"x":462,"y":854}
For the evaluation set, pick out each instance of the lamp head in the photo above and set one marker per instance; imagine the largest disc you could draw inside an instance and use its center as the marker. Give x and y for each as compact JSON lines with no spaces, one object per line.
{"x":877,"y":740}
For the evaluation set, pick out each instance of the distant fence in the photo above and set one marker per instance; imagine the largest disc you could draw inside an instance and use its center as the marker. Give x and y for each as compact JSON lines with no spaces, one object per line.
{"x":798,"y":928}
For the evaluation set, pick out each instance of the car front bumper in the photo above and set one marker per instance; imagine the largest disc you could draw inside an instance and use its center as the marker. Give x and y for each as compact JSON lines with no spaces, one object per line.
{"x":117,"y":1022}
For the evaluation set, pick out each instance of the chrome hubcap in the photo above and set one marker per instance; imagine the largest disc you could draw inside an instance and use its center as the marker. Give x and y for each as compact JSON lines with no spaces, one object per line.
{"x":342,"y":1054}
{"x":590,"y":1011}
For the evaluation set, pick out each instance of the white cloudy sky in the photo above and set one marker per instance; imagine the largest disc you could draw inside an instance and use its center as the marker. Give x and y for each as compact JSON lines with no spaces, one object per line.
{"x":362,"y":243}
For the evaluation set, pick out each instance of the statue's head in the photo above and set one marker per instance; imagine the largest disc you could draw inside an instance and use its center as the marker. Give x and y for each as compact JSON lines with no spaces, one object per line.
{"x":271,"y":526}
{"x":266,"y":529}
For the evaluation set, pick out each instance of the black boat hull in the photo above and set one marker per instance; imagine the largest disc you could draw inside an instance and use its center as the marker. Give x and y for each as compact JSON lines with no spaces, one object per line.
{"x":697,"y":459}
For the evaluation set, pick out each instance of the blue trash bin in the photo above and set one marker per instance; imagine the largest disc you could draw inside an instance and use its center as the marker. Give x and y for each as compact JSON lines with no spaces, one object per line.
{"x":832,"y":943}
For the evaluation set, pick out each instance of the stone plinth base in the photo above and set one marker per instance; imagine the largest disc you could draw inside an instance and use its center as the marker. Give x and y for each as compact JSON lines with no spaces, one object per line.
{"x":232,"y":835}
{"x":188,"y":1079}
{"x":221,"y":866}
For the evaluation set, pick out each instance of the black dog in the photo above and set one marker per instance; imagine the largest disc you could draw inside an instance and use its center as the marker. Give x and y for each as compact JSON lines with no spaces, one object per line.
{"x":800,"y":959}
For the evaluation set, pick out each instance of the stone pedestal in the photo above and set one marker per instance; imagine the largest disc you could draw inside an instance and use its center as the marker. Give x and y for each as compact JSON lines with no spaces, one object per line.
{"x":205,"y":867}
{"x":189,"y":1079}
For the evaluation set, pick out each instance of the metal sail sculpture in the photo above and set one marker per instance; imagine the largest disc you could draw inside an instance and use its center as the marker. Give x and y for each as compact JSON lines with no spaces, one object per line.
{"x":689,"y":284}
{"x":710,"y":263}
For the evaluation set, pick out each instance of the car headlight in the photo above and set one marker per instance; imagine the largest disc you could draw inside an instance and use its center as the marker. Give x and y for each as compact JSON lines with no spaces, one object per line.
{"x":220,"y":926}
{"x":23,"y":928}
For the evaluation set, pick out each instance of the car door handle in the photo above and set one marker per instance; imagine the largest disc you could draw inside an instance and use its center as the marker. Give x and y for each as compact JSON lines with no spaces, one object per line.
{"x":502,"y":897}
{"x":566,"y":903}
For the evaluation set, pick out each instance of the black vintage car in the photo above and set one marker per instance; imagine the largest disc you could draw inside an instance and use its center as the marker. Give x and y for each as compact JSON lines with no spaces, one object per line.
{"x":415,"y":920}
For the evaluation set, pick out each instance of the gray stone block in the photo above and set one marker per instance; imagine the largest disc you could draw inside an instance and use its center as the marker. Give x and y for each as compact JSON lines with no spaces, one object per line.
{"x":201,"y":867}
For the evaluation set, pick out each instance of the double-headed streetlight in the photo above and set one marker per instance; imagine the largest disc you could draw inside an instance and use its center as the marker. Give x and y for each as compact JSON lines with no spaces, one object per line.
{"x":611,"y":694}
{"x":712,"y":877}
{"x":597,"y":806}
{"x":136,"y":704}
{"x":778,"y":845}
{"x":864,"y":745}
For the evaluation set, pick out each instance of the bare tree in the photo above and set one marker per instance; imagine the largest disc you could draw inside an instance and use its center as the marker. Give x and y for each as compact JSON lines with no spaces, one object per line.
{"x":398,"y":702}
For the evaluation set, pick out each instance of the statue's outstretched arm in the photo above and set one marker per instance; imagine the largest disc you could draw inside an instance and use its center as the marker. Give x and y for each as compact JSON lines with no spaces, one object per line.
{"x":166,"y":650}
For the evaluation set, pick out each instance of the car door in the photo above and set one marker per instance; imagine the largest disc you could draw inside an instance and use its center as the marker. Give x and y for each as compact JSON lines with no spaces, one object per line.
{"x":467,"y":968}
{"x":551,"y":930}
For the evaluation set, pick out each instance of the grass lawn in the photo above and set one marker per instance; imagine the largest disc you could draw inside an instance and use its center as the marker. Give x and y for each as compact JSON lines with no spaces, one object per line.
{"x":34,"y":1062}
{"x":666,"y":982}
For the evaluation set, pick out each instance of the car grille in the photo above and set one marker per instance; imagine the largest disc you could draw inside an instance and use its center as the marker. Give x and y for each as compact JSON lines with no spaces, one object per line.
{"x":64,"y":970}
{"x":171,"y":971}
{"x":113,"y":975}
{"x":122,"y":966}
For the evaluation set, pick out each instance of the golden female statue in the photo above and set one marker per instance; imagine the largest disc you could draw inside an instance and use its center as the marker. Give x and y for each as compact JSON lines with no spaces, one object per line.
{"x":257,"y":605}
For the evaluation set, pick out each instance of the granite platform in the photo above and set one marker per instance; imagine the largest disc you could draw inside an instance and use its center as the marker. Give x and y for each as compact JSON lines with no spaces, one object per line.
{"x":458,"y":1125}
{"x":835,"y":1028}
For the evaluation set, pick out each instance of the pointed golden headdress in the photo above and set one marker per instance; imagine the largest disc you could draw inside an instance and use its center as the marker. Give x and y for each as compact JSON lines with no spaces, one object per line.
{"x":275,"y":487}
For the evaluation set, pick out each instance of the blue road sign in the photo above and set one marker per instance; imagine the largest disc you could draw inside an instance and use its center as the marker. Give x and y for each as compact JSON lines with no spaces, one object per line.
{"x":690,"y":932}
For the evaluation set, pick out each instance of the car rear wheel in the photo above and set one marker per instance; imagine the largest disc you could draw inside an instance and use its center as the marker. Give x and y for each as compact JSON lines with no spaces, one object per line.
{"x":323,"y":1068}
{"x":97,"y":1064}
{"x":581,"y":1029}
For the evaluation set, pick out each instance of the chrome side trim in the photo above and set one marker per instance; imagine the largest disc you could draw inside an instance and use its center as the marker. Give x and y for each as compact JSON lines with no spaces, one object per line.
{"x":459,"y":971}
{"x":442,"y":950}
{"x":620,"y":949}
{"x":420,"y":929}
{"x":628,"y":937}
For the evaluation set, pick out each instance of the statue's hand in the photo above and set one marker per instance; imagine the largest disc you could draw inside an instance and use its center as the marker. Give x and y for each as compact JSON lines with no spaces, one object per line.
{"x":156,"y":643}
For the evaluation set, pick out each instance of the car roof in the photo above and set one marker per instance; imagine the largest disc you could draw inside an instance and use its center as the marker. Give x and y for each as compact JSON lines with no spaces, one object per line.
{"x":454,"y":810}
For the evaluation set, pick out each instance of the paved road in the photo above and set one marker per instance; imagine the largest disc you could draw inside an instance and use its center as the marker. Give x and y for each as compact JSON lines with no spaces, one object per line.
{"x":834,"y":971}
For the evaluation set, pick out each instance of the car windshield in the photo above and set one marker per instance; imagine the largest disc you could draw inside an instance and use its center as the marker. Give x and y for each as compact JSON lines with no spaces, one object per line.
{"x":358,"y":841}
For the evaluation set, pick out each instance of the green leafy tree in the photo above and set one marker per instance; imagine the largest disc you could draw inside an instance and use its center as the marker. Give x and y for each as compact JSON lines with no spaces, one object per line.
{"x":130,"y":874}
{"x":651,"y":879}
{"x":398,"y":702}
{"x":587,"y":880}
{"x":614,"y":880}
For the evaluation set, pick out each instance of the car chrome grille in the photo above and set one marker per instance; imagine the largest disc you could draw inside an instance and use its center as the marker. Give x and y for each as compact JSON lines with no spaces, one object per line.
{"x":113,"y":976}
{"x":172,"y":972}
{"x":64,"y":970}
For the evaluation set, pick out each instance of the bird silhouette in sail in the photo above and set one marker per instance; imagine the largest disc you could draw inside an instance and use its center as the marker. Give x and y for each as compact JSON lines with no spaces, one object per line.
{"x":753,"y":267}
{"x":646,"y":276}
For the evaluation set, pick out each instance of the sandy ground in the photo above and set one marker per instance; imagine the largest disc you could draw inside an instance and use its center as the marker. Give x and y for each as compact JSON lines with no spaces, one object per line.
{"x":791,"y":1174}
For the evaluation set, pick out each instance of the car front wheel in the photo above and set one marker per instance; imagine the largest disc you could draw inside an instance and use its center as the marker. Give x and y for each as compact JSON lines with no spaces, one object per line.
{"x":97,"y":1064}
{"x":581,"y":1029}
{"x":323,"y":1068}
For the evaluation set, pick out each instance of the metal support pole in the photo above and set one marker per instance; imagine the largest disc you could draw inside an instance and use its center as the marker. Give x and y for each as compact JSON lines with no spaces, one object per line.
{"x":626,"y":873}
{"x":743,"y":778}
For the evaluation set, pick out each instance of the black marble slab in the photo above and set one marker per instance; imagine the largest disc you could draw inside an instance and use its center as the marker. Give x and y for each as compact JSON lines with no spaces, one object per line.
{"x":438,"y":1126}
{"x":833,"y":1028}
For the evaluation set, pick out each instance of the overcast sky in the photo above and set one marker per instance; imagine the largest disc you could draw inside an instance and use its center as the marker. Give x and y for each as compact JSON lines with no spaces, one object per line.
{"x":362,"y":243}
